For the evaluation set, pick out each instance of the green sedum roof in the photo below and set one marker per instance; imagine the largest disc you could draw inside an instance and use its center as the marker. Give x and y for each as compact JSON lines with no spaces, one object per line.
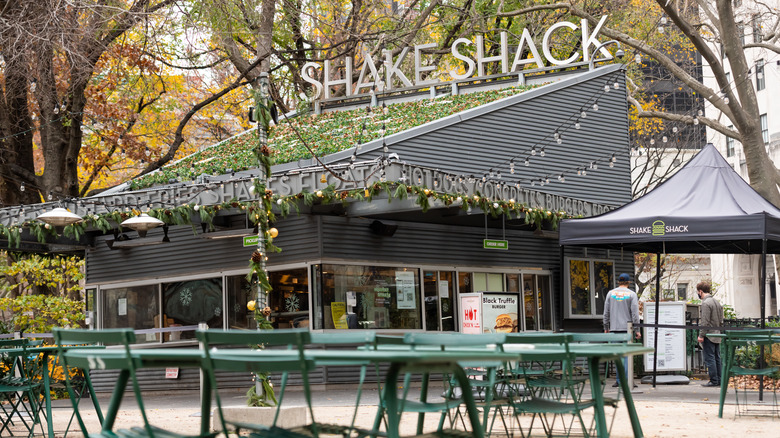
{"x":325,"y":134}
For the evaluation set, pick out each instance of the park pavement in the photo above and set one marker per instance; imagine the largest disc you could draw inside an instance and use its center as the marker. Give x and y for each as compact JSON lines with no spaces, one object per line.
{"x":664,"y":411}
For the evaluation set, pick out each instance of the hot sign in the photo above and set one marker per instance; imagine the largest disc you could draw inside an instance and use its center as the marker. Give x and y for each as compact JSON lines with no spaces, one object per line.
{"x":471,"y":313}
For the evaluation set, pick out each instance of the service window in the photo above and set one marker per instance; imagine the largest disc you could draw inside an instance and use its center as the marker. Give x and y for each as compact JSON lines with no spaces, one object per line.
{"x":587,"y":283}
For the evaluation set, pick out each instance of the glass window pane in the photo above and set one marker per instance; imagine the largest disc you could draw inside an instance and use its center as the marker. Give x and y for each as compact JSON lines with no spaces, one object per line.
{"x":545,"y":302}
{"x":192,"y":302}
{"x":480,"y":282}
{"x":239,"y":293}
{"x":605,"y":275}
{"x":370,"y":297}
{"x":289,"y":298}
{"x":447,"y":297}
{"x":430,"y":290}
{"x":512,"y":283}
{"x":135,"y":307}
{"x":579,"y":285}
{"x":465,"y":284}
{"x":495,"y":282}
{"x":530,"y":302}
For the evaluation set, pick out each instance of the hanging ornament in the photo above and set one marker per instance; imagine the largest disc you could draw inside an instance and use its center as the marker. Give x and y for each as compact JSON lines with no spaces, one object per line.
{"x":273,"y":232}
{"x":324,"y":178}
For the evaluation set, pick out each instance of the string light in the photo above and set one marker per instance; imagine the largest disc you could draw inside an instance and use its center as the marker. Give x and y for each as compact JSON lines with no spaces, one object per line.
{"x":512,"y":166}
{"x":541,"y":152}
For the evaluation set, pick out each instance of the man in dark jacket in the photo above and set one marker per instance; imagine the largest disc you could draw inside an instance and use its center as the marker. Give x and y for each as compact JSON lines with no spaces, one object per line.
{"x":711,"y":316}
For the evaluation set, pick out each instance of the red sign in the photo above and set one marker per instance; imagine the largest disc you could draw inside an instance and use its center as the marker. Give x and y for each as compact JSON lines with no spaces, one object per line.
{"x":171,"y":373}
{"x":471,"y":313}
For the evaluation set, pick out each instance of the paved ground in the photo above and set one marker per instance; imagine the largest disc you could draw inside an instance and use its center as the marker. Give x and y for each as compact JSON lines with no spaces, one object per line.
{"x":664,"y":411}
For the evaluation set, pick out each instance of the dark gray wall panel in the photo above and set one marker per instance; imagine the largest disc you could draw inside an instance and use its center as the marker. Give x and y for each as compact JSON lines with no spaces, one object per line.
{"x":188,"y":253}
{"x":351,"y":238}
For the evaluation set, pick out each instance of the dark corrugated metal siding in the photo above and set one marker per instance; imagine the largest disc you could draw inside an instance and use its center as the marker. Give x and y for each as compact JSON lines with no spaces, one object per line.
{"x":187,"y":253}
{"x":351,"y":238}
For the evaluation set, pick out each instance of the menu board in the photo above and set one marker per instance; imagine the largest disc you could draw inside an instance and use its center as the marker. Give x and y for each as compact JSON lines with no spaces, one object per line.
{"x":471,"y":313}
{"x":405,"y":290}
{"x":671,"y":342}
{"x":499,"y":312}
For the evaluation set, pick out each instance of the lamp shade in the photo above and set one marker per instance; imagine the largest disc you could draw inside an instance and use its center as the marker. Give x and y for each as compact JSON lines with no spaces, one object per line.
{"x":59,"y":217}
{"x":142,"y":223}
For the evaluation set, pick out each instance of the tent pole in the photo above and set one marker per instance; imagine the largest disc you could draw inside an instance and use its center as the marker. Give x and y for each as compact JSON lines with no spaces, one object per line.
{"x":657,"y":313}
{"x":762,"y":288}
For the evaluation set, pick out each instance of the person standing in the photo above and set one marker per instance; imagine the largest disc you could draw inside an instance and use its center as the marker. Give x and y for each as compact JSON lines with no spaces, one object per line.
{"x":711,"y":316}
{"x":620,"y":307}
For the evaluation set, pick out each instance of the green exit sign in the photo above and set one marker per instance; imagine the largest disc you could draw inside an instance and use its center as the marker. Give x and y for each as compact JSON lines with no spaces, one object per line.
{"x":495,"y":244}
{"x":250,"y":241}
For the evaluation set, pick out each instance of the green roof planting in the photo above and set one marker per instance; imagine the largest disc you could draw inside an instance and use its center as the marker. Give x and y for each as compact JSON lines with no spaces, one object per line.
{"x":324,"y":133}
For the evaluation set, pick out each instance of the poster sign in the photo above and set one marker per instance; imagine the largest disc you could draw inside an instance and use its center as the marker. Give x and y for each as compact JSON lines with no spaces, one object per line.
{"x":499,"y":312}
{"x":470,"y":313}
{"x":404,"y":287}
{"x":121,"y":306}
{"x":171,"y":373}
{"x":671,"y":342}
{"x":338,"y":310}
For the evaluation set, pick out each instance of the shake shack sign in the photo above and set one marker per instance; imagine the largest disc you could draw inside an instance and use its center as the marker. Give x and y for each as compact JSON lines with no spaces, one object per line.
{"x":659,"y":228}
{"x":390,"y":72}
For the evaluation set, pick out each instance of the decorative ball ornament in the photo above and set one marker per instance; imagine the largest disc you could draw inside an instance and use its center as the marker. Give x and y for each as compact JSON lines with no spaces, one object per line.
{"x":458,"y":199}
{"x":273,"y":232}
{"x":196,"y":207}
{"x":250,"y":306}
{"x":319,"y":193}
{"x":251,"y":190}
{"x":495,"y":205}
{"x":279,"y":201}
{"x":47,"y":226}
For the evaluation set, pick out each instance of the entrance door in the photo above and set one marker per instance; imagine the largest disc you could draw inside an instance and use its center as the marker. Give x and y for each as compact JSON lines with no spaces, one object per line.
{"x":439,"y":299}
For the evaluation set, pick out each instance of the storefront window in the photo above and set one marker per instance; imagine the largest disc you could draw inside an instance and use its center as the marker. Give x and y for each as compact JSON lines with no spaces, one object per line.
{"x":190,"y":303}
{"x":589,"y":281}
{"x":370,"y":297}
{"x":239,"y":293}
{"x":135,"y":307}
{"x":439,"y":311}
{"x":289,"y":298}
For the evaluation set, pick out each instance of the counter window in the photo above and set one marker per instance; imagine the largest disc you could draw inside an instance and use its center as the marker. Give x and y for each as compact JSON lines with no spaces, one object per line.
{"x":369,"y":297}
{"x":135,"y":307}
{"x":588,"y":282}
{"x":192,"y":302}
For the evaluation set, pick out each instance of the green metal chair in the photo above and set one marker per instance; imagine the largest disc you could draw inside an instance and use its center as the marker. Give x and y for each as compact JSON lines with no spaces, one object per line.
{"x":552,"y":396}
{"x":127,"y":367}
{"x":751,"y":342}
{"x":482,"y":380}
{"x":294,"y":340}
{"x":20,"y":386}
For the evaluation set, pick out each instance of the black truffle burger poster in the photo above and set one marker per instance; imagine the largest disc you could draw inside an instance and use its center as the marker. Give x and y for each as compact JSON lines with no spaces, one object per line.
{"x":499,"y":312}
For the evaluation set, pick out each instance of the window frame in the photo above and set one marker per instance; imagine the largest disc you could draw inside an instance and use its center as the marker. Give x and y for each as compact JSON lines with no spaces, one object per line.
{"x":760,"y":76}
{"x":567,"y":286}
{"x":730,"y":145}
{"x":764,"y":127}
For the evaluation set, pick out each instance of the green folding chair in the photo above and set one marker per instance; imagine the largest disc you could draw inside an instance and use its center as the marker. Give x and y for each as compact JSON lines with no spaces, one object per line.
{"x":295,"y":341}
{"x":20,"y":387}
{"x":552,"y":396}
{"x":751,"y":342}
{"x":124,"y":337}
{"x":482,"y":378}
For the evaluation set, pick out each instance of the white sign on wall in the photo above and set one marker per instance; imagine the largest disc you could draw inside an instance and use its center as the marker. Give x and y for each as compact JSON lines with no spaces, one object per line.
{"x":671,"y":342}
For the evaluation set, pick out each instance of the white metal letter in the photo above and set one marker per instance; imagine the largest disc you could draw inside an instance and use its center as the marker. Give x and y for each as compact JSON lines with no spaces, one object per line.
{"x":307,"y":78}
{"x":419,"y":68}
{"x":347,"y":81}
{"x":368,"y":62}
{"x":526,"y":39}
{"x":469,"y":62}
{"x":393,"y":70}
{"x":546,"y":44}
{"x":588,"y":39}
{"x":502,"y":56}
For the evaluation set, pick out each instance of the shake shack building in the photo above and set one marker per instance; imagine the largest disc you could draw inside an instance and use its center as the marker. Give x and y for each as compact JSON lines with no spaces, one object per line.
{"x":409,"y":206}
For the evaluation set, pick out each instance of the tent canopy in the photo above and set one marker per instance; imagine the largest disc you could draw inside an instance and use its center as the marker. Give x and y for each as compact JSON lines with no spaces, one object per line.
{"x":706,"y":207}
